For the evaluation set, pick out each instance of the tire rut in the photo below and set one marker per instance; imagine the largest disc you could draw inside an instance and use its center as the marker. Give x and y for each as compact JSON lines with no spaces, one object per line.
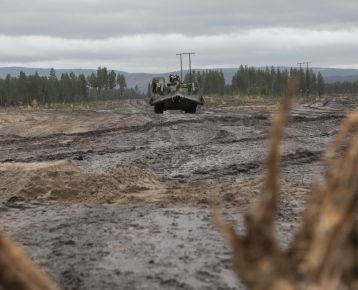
{"x":245,"y":120}
{"x":253,"y":167}
{"x":83,"y":153}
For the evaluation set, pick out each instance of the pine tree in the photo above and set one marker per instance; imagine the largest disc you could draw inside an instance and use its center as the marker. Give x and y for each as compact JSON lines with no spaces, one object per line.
{"x":23,"y":88}
{"x":320,"y":84}
{"x":83,"y":87}
{"x":112,"y":80}
{"x":121,"y":81}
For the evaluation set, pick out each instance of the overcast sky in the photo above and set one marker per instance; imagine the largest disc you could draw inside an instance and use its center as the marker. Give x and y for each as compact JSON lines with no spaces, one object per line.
{"x":145,"y":35}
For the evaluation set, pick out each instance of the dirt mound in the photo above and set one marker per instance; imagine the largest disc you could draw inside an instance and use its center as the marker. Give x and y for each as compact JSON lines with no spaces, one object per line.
{"x":62,"y":180}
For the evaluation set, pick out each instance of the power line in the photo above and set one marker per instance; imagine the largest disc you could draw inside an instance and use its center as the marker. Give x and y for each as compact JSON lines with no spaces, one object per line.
{"x":300,"y":64}
{"x":304,"y":63}
{"x":181,"y":63}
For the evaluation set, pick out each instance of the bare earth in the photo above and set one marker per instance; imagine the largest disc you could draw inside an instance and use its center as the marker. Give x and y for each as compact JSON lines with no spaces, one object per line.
{"x":120,"y":198}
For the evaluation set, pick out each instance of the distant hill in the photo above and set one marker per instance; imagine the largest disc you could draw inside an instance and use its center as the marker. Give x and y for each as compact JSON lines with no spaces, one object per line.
{"x":143,"y":79}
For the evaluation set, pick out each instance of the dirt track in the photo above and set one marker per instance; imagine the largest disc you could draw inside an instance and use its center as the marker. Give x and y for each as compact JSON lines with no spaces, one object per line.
{"x":130,"y":208}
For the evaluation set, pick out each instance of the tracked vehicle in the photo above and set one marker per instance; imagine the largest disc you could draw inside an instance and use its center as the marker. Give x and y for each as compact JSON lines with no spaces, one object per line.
{"x":175,"y":95}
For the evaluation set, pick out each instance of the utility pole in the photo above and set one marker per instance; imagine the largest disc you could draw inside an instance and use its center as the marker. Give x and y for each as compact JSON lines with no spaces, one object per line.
{"x":305,"y":62}
{"x":307,"y":79}
{"x":181,"y":63}
{"x":302,"y":63}
{"x":189,"y":68}
{"x":301,"y":89}
{"x":181,"y":66}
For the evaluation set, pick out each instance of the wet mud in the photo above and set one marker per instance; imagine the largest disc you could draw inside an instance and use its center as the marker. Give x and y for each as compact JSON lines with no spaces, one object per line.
{"x":121,"y":199}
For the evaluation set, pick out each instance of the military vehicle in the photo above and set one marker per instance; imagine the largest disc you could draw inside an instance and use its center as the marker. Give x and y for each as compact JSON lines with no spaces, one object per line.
{"x":175,"y":95}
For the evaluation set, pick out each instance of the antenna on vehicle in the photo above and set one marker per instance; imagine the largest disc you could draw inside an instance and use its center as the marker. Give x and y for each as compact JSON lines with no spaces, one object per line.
{"x":181,"y":64}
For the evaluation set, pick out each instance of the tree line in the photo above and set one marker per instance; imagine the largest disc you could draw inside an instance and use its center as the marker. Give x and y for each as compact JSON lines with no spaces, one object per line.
{"x":270,"y":82}
{"x":273,"y":81}
{"x":69,"y":88}
{"x":210,"y":81}
{"x":109,"y":85}
{"x":342,"y":88}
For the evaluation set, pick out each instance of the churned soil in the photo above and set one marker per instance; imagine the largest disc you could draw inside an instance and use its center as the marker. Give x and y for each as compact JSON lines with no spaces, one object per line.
{"x":121,"y":198}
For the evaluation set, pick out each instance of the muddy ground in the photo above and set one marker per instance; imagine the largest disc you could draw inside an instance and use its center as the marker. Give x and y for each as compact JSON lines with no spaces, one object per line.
{"x":120,"y":198}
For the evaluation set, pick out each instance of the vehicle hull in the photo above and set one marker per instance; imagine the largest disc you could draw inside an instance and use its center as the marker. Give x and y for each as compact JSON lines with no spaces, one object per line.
{"x":176,"y":101}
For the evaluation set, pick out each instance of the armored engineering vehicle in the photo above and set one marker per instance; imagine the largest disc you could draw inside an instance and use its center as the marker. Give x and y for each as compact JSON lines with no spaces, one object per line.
{"x":175,"y":95}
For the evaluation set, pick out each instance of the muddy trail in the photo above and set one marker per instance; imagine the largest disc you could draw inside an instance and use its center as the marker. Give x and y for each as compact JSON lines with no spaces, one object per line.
{"x":121,"y":198}
{"x":175,"y":146}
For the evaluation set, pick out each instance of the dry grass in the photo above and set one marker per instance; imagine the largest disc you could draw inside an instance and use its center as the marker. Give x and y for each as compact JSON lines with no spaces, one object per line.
{"x":324,"y":252}
{"x":228,"y":100}
{"x":17,"y":272}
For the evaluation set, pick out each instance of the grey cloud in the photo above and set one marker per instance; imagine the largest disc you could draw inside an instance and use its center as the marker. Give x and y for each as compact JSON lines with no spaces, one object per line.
{"x":144,"y":35}
{"x":110,"y":18}
{"x":142,"y":52}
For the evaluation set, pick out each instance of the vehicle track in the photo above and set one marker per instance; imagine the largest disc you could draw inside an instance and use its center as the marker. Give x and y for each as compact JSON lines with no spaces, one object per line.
{"x":179,"y":146}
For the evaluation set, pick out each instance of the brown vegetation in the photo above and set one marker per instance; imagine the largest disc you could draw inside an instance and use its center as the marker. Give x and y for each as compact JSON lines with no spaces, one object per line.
{"x":17,"y":272}
{"x":323,"y":254}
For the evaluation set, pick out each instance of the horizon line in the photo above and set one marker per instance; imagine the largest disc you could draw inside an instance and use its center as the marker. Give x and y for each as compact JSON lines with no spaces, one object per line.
{"x":169,"y":71}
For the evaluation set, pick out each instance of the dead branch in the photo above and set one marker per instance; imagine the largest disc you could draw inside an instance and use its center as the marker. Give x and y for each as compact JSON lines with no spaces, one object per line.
{"x":17,"y":272}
